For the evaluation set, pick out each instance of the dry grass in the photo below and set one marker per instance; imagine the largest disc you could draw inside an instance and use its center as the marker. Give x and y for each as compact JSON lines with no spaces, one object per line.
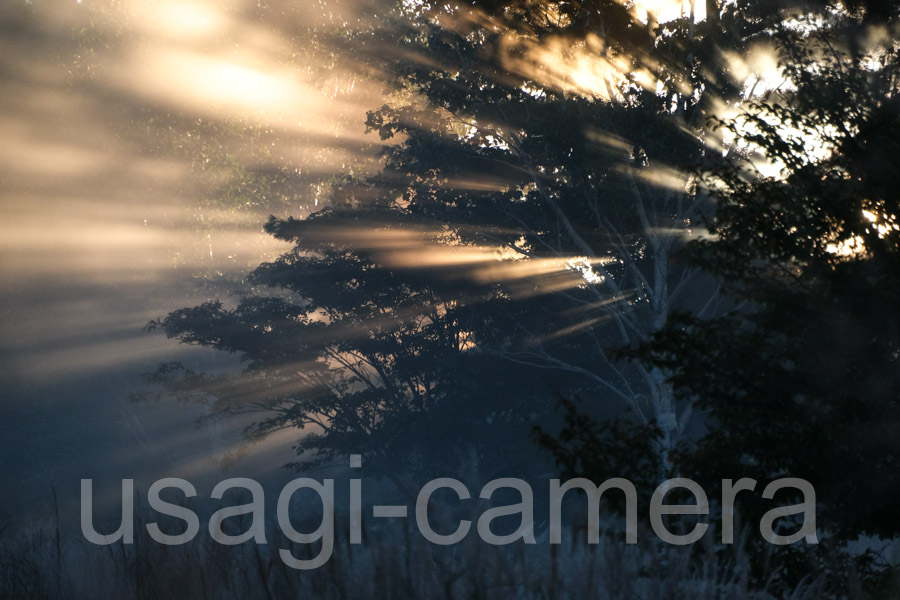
{"x":391,"y":563}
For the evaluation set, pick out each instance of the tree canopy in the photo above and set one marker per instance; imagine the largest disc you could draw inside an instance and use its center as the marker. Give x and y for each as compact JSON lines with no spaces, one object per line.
{"x":801,"y":378}
{"x":541,"y":164}
{"x":521,"y":227}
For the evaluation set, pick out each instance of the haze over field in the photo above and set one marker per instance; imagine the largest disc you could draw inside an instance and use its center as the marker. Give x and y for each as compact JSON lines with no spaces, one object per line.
{"x":131,"y":137}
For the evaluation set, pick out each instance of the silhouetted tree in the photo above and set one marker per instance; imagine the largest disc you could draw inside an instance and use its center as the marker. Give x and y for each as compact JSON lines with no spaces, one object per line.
{"x":801,"y":379}
{"x":522,"y":228}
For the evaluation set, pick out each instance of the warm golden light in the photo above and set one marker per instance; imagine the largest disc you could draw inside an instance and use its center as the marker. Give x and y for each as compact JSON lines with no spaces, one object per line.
{"x":132,"y":138}
{"x":664,"y":11}
{"x":586,"y":68}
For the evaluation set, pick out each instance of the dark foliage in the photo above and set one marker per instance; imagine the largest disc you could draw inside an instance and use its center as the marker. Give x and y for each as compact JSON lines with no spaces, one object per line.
{"x":601,"y":451}
{"x":802,"y":379}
